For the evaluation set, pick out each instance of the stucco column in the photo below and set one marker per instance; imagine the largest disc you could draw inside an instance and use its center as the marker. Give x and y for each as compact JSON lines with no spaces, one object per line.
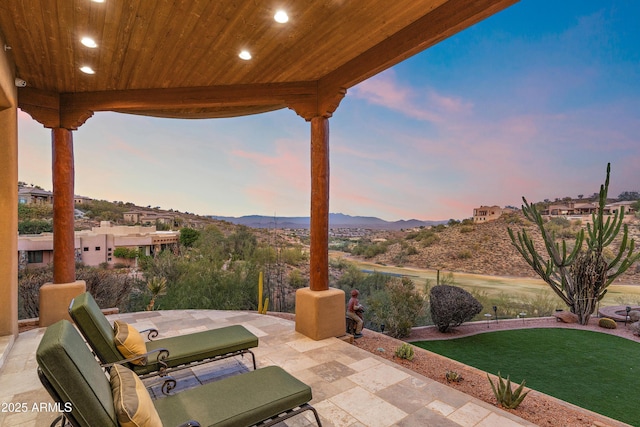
{"x":55,"y":297}
{"x":320,"y":310}
{"x":8,"y":209}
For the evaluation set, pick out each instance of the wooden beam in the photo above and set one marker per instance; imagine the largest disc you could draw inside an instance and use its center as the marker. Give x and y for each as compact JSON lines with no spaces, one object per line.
{"x":437,"y":25}
{"x":191,"y":97}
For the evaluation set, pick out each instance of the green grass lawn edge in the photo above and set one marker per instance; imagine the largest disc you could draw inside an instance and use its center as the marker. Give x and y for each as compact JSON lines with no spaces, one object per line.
{"x":593,"y":370}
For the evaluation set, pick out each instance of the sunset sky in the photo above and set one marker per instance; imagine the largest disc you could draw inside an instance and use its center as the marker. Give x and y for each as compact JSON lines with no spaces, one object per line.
{"x":532,"y":102}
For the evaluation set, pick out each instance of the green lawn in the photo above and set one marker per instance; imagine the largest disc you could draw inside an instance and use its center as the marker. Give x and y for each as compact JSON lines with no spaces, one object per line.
{"x":595,"y":371}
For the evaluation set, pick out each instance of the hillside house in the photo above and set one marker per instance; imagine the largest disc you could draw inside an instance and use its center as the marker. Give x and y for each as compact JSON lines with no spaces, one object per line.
{"x":96,"y":246}
{"x":583,"y":210}
{"x":489,"y":213}
{"x":34,"y":196}
{"x":148,"y":217}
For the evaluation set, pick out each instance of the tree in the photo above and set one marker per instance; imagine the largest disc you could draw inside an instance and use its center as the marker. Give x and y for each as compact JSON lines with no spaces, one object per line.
{"x":579,"y":277}
{"x":629,"y":196}
{"x":188,"y":236}
{"x":126,"y":253}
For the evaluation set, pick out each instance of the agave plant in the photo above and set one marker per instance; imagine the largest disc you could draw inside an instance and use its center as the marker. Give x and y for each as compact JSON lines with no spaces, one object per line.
{"x":508,"y":398}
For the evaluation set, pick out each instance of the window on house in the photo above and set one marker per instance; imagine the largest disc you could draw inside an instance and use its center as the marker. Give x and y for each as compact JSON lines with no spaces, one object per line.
{"x":86,"y":249}
{"x":97,"y":248}
{"x":34,"y":257}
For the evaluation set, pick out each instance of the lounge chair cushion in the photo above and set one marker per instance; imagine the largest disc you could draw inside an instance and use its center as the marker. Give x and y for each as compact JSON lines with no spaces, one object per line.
{"x":95,"y":327}
{"x":129,"y":342}
{"x":240,"y":400}
{"x":187,"y":348}
{"x":131,"y":399}
{"x":73,"y":372}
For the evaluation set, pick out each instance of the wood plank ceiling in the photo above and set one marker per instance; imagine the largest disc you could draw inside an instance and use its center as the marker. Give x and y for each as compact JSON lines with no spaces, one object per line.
{"x":179,"y":58}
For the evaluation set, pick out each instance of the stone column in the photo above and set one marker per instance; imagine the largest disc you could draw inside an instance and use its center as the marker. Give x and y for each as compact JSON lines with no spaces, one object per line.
{"x":55,"y":297}
{"x":320,"y":310}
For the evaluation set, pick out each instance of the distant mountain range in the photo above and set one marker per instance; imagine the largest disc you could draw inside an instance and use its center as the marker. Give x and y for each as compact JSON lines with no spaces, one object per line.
{"x":336,"y":220}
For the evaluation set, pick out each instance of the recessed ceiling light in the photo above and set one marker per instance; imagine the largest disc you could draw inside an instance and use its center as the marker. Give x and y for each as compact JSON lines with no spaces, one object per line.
{"x":245,"y":55}
{"x":88,"y":42}
{"x":87,"y":70}
{"x":281,"y":16}
{"x":98,"y":1}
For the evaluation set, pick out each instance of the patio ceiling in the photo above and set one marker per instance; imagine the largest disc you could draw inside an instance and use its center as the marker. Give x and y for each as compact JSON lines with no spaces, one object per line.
{"x":179,"y":58}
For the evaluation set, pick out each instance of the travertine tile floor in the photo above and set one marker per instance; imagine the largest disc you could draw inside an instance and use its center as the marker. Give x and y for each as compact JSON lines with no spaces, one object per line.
{"x":351,"y":387}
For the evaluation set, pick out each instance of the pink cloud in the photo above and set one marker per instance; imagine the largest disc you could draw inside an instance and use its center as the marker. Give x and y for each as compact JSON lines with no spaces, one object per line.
{"x":288,"y":167}
{"x":418,"y":103}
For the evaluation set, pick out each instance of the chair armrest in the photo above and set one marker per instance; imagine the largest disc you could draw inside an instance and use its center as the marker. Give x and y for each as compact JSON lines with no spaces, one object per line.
{"x":151,"y":333}
{"x":163,"y":353}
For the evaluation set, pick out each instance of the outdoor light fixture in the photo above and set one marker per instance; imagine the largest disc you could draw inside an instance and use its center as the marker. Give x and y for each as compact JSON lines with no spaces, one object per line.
{"x":523,"y":314}
{"x":495,"y":311}
{"x":281,"y":17}
{"x":627,"y":316}
{"x":488,"y":317}
{"x":87,"y":70}
{"x":245,"y":55}
{"x":89,"y":42}
{"x":382,"y":328}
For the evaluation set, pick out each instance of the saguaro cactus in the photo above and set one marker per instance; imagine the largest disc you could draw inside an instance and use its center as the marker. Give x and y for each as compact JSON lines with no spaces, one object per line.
{"x":579,"y":276}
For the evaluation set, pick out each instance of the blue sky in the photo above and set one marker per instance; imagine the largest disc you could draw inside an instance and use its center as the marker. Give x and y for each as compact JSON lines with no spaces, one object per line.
{"x":532,"y":102}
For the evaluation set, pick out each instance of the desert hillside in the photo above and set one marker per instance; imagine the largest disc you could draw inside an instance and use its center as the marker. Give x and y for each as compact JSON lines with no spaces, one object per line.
{"x":479,"y":249}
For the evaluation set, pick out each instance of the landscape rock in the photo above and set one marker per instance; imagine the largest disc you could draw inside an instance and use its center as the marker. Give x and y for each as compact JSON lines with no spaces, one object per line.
{"x":566,"y":316}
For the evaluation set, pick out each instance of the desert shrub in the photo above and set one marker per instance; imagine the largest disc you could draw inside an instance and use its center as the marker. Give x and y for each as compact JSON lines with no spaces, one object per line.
{"x":467,"y":229}
{"x":294,"y":256}
{"x":398,"y":306}
{"x":296,"y":280}
{"x":607,"y":323}
{"x":452,"y":376}
{"x":430,"y":240}
{"x":370,"y":249}
{"x":463,"y":254}
{"x":405,"y":351}
{"x":561,"y":227}
{"x":411,"y":250}
{"x":110,"y":288}
{"x":35,"y":226}
{"x":452,"y":306}
{"x":126,"y":253}
{"x":513,"y":218}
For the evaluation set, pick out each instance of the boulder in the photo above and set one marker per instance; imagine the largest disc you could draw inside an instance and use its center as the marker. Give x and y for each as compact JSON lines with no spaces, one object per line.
{"x":634,"y":315}
{"x":566,"y":316}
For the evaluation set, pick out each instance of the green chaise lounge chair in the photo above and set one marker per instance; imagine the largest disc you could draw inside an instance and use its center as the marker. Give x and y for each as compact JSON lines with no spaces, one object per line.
{"x":162,"y":355}
{"x":88,"y":398}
